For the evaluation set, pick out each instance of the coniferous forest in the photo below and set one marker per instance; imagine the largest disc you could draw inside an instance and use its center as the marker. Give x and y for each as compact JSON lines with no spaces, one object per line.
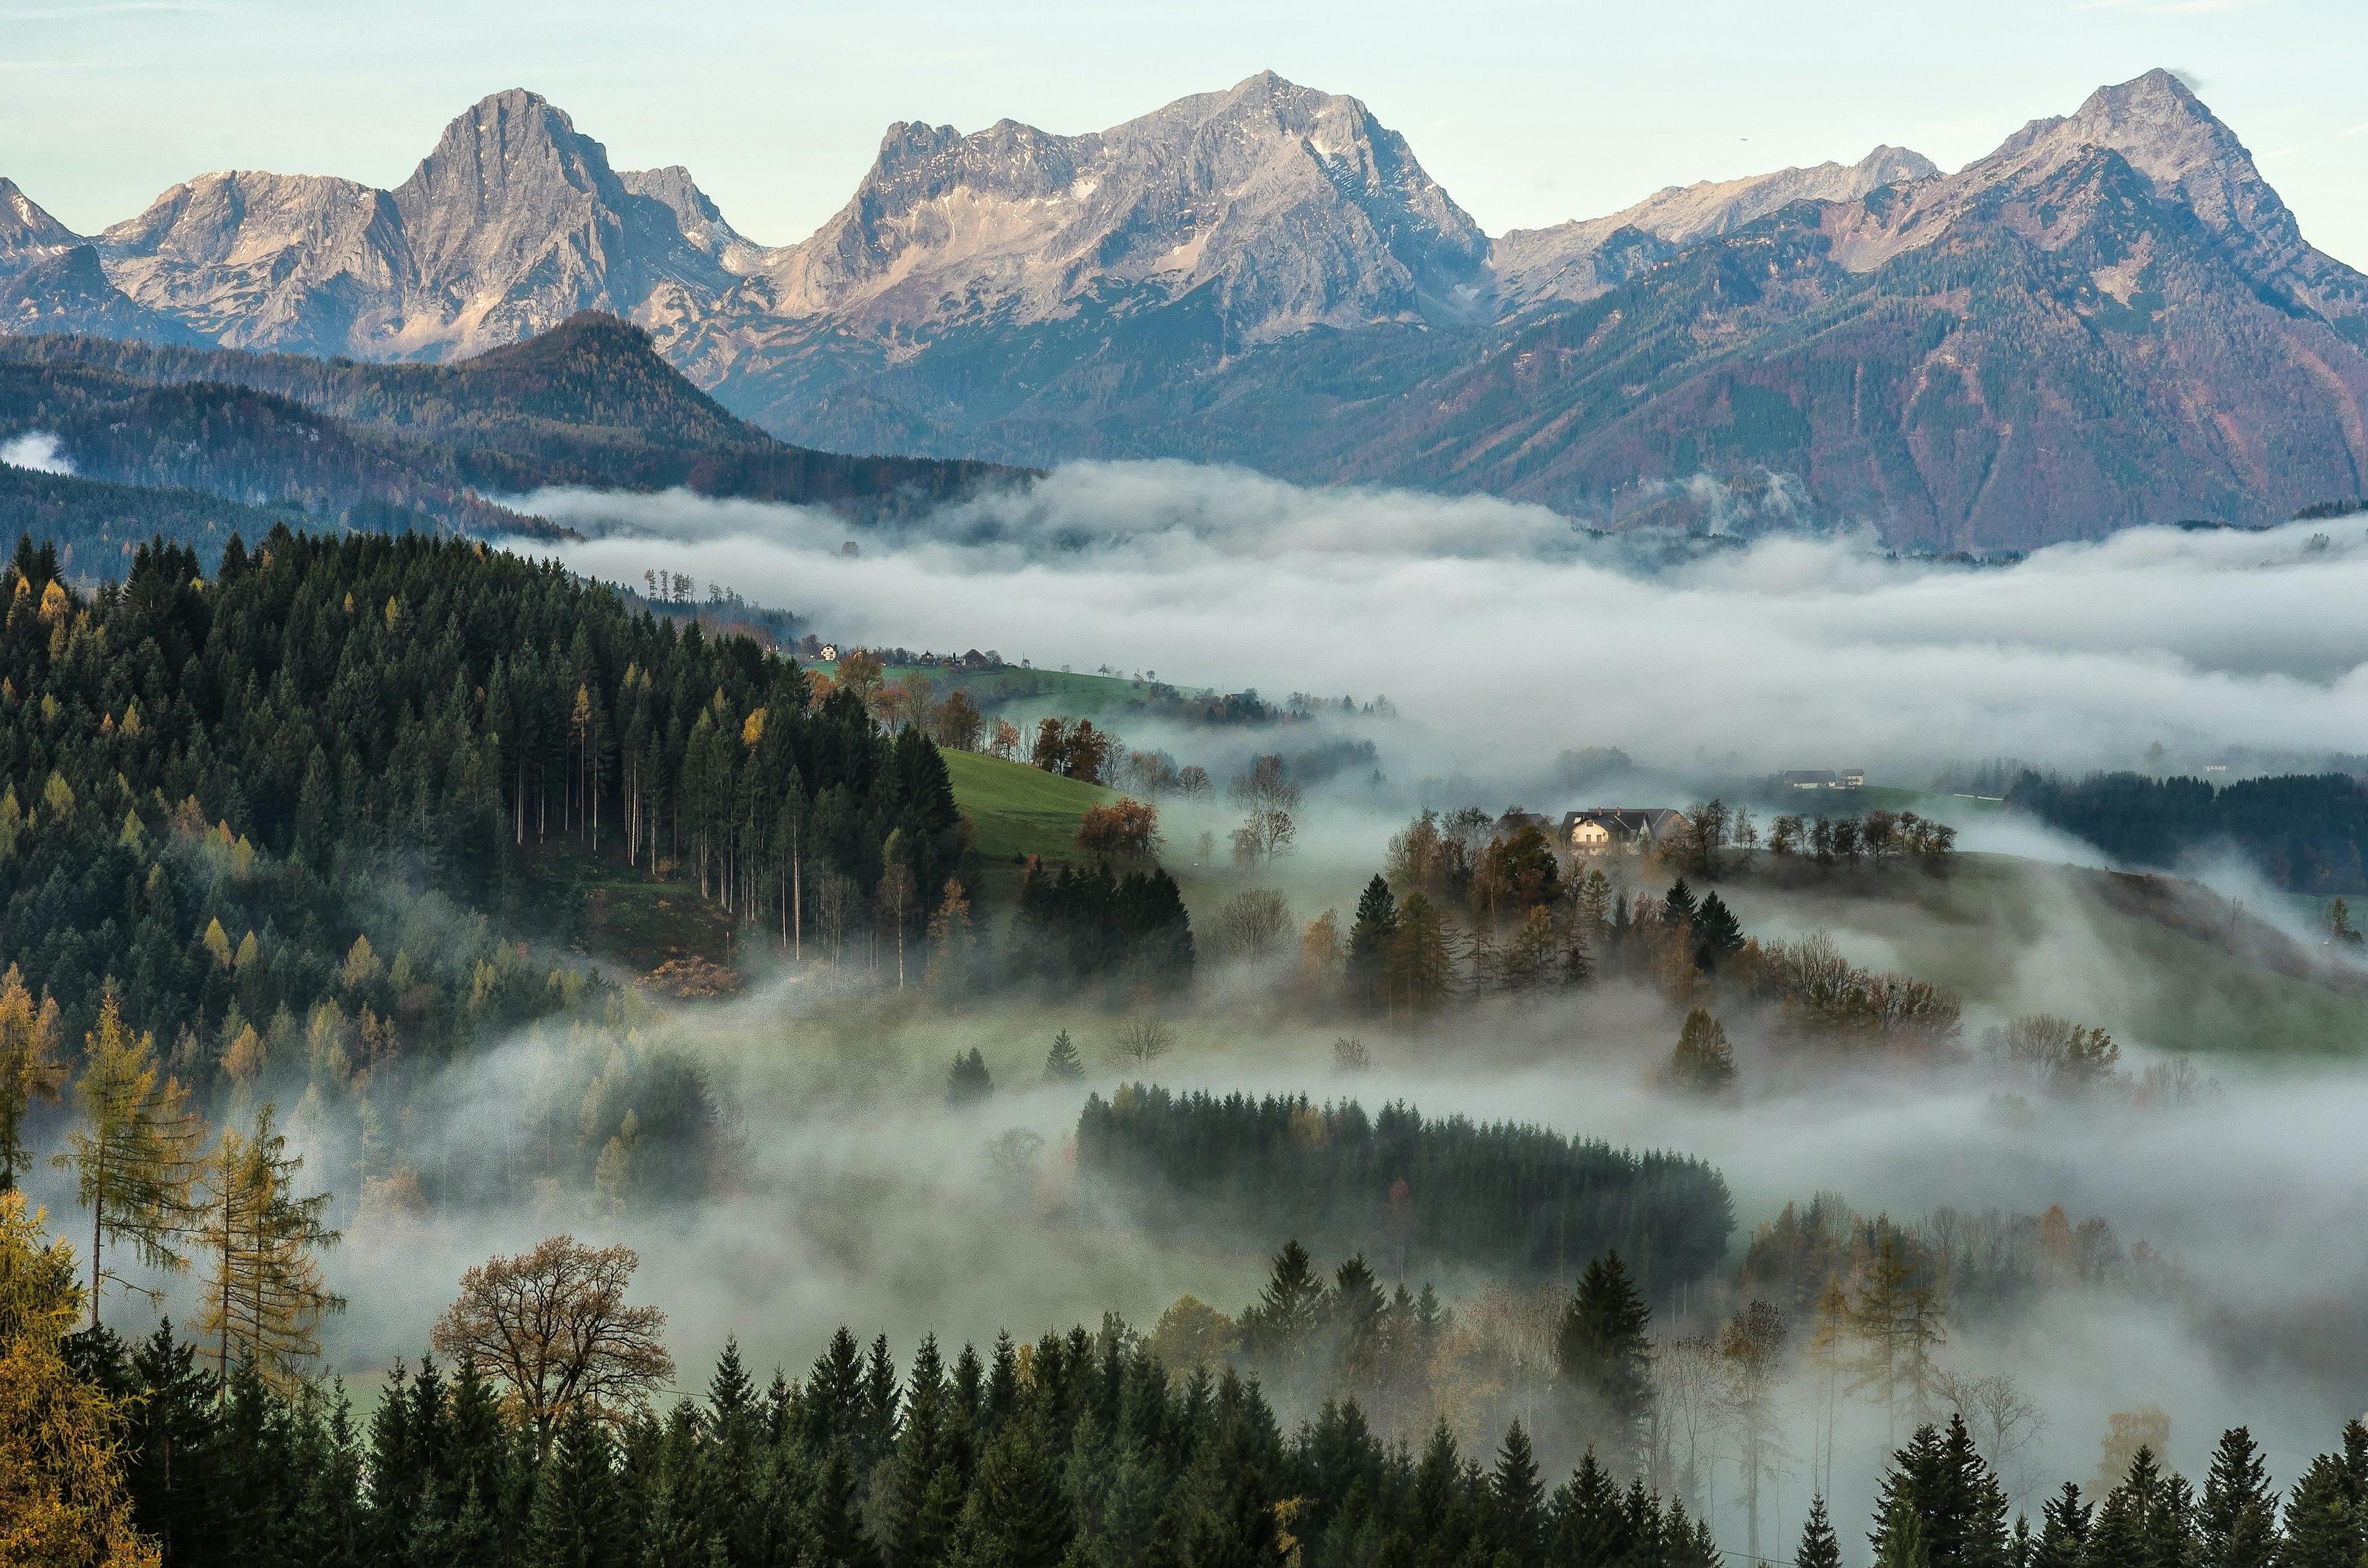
{"x":1082,"y":1448}
{"x":1424,"y":1197}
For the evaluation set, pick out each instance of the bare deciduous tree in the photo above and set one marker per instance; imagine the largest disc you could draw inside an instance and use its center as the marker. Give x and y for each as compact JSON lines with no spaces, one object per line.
{"x":553,"y":1327}
{"x":1142,"y":1041}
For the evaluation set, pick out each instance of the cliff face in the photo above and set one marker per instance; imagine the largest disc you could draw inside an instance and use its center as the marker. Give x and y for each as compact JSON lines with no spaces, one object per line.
{"x":512,"y":224}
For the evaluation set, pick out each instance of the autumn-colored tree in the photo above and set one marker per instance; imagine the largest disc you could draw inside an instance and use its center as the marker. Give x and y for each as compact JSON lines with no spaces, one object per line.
{"x":1422,"y":970}
{"x":1751,"y":1347}
{"x":1319,"y":957}
{"x":861,"y":673}
{"x":64,"y":1503}
{"x":135,"y":1157}
{"x":553,"y":1327}
{"x":958,"y":721}
{"x":1897,"y":1319}
{"x":266,"y":1299}
{"x":29,"y":1069}
{"x":951,"y":937}
{"x":1702,"y":1060}
{"x":1126,"y":830}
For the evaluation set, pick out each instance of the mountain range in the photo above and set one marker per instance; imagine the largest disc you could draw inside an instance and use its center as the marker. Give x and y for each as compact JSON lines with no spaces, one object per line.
{"x":2110,"y":319}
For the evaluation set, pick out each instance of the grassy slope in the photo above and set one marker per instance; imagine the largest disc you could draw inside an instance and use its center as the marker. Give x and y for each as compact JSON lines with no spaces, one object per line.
{"x":2019,"y":936}
{"x":1019,"y":809}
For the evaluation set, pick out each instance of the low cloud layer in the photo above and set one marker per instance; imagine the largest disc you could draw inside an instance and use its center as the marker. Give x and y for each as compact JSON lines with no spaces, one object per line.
{"x":1498,"y":625}
{"x":38,"y":450}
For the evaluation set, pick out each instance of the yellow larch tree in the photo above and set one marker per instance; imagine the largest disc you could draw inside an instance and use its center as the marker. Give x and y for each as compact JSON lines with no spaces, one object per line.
{"x":136,"y":1155}
{"x":62,"y":1500}
{"x":29,"y":1069}
{"x":265,"y":1299}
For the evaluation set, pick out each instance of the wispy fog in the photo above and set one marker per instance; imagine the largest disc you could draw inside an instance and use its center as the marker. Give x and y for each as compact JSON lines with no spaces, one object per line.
{"x":1498,"y":626}
{"x":35,"y":450}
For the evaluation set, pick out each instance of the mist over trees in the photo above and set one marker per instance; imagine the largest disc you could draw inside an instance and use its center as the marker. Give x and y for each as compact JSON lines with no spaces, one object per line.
{"x":1420,"y":1197}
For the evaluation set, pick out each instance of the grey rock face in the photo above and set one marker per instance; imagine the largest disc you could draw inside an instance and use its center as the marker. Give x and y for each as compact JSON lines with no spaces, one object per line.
{"x":1295,"y":207}
{"x":68,"y":292}
{"x":1580,"y":260}
{"x":27,"y":234}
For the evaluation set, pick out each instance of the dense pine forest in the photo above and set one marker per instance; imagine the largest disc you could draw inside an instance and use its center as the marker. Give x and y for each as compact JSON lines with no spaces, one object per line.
{"x":2305,"y":832}
{"x":1084,"y":1450}
{"x":319,"y":776}
{"x":1436,"y":1196}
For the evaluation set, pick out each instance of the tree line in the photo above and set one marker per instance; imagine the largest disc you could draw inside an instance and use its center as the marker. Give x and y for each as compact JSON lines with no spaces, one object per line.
{"x":1419,"y":1195}
{"x":2304,"y":831}
{"x":1085,"y":1448}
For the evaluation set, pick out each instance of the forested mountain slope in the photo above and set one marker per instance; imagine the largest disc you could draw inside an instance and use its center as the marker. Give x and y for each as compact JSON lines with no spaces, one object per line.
{"x":587,"y":403}
{"x":211,"y":787}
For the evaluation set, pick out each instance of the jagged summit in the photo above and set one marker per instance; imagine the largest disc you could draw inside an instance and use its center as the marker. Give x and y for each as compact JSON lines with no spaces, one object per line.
{"x":26,"y":233}
{"x":1296,"y":202}
{"x":1570,"y":261}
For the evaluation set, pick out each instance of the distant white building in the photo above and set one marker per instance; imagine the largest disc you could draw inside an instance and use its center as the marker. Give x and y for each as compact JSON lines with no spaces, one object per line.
{"x":1620,"y":830}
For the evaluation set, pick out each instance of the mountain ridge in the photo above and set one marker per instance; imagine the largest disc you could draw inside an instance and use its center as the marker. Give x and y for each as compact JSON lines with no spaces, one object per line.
{"x":1265,"y":274}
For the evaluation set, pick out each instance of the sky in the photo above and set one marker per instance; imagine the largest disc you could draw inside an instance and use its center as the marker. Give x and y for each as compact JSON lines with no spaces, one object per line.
{"x":1528,"y":113}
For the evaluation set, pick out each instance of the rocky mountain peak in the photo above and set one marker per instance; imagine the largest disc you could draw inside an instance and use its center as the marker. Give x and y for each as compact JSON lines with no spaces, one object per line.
{"x":1296,"y":203}
{"x":700,"y":222}
{"x":26,"y":233}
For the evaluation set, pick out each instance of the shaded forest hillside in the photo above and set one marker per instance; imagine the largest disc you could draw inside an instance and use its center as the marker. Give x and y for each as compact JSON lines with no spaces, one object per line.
{"x":587,"y":403}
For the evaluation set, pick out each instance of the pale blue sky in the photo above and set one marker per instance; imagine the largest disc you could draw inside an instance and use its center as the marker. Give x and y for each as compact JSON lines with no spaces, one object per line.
{"x":1528,"y":113}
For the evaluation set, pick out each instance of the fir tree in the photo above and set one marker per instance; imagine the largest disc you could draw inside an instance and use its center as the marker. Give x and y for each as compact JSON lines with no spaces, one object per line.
{"x":1369,"y":941}
{"x":1702,"y":1060}
{"x":1717,"y":934}
{"x":1520,"y":1499}
{"x":1602,"y":1358}
{"x":2064,"y":1530}
{"x":2238,"y":1524}
{"x":1062,"y":1064}
{"x":968,"y":1081}
{"x":1819,"y":1549}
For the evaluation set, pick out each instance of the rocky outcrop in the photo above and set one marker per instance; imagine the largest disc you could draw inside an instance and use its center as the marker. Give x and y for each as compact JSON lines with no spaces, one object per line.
{"x":27,"y":234}
{"x":512,"y":224}
{"x":68,"y":292}
{"x":1578,"y":260}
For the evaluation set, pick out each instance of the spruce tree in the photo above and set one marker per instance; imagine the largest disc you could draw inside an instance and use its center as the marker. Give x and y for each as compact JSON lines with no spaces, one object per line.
{"x":1062,"y":1064}
{"x":1717,"y":934}
{"x":1520,"y":1497}
{"x":2323,"y":1522}
{"x":2238,"y":1525}
{"x":575,"y":1522}
{"x":967,"y":1081}
{"x":1819,"y":1549}
{"x":1018,"y":1515}
{"x":2064,"y":1530}
{"x":1702,"y":1060}
{"x":1591,"y":1527}
{"x":1602,"y":1360}
{"x":1370,"y":940}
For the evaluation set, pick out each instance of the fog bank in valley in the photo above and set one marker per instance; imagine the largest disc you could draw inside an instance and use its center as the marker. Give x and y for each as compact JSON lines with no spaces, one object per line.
{"x":1493,"y":622}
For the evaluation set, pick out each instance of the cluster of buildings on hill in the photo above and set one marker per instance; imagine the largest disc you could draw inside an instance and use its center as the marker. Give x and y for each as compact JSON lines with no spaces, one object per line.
{"x":1637,"y":830}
